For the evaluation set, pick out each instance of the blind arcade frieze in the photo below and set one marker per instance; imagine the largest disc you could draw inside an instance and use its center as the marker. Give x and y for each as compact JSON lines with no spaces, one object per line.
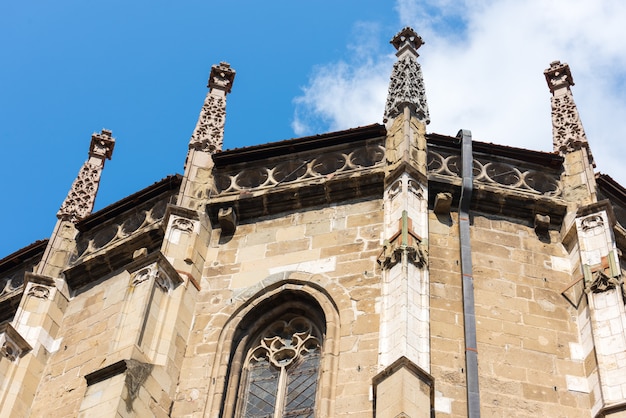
{"x":497,"y":172}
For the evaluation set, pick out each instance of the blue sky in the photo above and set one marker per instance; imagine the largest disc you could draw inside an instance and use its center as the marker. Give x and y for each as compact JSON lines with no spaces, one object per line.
{"x":71,"y":68}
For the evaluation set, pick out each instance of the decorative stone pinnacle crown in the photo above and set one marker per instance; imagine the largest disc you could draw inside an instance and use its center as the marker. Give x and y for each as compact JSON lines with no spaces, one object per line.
{"x":222,"y":77}
{"x":102,"y":144}
{"x":407,"y":37}
{"x":406,"y":87}
{"x":558,"y":76}
{"x":81,"y":198}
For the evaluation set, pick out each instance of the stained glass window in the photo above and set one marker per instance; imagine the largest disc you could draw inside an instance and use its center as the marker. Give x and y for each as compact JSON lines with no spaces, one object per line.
{"x":281,"y":371}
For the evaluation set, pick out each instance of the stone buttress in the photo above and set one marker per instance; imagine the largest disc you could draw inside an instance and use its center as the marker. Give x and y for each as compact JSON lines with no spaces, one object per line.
{"x":405,"y":386}
{"x":588,"y":235}
{"x":187,"y":227}
{"x":38,"y":318}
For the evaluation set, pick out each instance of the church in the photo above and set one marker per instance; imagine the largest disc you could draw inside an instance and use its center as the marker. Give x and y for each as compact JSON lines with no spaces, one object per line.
{"x":381,"y":271}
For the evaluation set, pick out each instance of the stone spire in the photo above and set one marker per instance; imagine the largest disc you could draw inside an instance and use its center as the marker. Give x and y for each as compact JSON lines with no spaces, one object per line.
{"x":569,"y":139}
{"x":208,"y":135}
{"x":567,"y":129}
{"x":81,"y":198}
{"x":406,"y":87}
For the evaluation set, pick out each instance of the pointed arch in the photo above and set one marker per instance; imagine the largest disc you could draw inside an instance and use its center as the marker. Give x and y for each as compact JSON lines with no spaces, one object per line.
{"x":287,"y":295}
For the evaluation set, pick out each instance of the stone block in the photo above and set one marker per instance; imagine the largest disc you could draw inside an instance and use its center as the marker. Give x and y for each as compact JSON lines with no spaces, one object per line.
{"x":284,"y":247}
{"x":540,"y":393}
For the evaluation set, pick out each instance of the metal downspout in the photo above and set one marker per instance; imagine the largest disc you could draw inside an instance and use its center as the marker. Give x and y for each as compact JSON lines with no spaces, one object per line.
{"x":469,"y":316}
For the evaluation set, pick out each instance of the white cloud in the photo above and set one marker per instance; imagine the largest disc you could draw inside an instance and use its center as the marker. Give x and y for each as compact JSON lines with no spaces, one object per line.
{"x":344,"y":94}
{"x":483,"y":66}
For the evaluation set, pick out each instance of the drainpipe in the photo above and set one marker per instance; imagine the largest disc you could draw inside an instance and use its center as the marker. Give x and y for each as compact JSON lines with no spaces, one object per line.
{"x":469,"y":316}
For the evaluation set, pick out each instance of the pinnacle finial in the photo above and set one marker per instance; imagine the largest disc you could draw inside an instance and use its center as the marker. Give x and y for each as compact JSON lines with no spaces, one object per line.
{"x":102,"y":144}
{"x":221,"y":77}
{"x":407,"y":38}
{"x":558,"y":76}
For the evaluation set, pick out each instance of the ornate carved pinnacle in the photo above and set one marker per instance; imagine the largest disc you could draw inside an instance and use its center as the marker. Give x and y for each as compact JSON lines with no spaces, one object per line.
{"x":406,"y":87}
{"x":558,"y":76}
{"x":221,"y":77}
{"x":208,"y":135}
{"x":81,"y":198}
{"x":567,"y":129}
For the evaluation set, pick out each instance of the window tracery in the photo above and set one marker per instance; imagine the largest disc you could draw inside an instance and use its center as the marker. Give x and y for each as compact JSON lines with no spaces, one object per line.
{"x":281,"y":370}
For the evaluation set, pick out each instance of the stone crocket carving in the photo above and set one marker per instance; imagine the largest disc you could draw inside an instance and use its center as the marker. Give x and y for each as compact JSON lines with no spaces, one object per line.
{"x":406,"y":87}
{"x":81,"y":198}
{"x":208,"y":135}
{"x":567,"y":129}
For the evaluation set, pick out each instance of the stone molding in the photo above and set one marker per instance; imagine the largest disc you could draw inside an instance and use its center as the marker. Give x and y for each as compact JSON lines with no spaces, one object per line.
{"x":39,"y":286}
{"x":567,"y":128}
{"x":414,"y":369}
{"x":601,"y":282}
{"x":558,"y":76}
{"x":154,"y":267}
{"x":136,"y":373}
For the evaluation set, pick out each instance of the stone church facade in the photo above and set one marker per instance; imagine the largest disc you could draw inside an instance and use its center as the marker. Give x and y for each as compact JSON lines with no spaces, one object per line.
{"x":378,"y":271}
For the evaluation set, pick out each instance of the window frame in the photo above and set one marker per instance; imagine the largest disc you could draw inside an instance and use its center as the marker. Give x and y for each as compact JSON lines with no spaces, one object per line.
{"x":303,"y":350}
{"x":311,"y":289}
{"x":248,"y":331}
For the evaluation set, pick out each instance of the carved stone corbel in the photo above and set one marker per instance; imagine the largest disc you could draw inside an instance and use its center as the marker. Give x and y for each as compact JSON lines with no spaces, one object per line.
{"x":542,"y":224}
{"x":602,"y":282}
{"x":392,"y":255}
{"x":443,"y":202}
{"x":12,"y":345}
{"x":227,"y":219}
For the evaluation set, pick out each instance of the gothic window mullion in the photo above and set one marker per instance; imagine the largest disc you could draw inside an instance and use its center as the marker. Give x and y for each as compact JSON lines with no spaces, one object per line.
{"x":280,"y":398}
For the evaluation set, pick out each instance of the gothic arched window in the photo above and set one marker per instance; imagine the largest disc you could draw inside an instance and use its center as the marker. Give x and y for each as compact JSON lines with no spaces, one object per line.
{"x":280,"y":370}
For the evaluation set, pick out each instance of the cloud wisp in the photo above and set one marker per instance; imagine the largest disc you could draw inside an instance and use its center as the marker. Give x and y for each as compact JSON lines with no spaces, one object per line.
{"x":483,"y":66}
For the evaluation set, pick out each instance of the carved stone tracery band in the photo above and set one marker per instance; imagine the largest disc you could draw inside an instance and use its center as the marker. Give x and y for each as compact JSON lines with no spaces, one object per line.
{"x":496,"y":172}
{"x":284,"y":172}
{"x":108,"y":234}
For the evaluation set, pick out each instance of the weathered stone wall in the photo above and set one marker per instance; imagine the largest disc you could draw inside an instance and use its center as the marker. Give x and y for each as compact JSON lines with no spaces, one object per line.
{"x":330,"y":253}
{"x":529,"y":354}
{"x":122,"y":318}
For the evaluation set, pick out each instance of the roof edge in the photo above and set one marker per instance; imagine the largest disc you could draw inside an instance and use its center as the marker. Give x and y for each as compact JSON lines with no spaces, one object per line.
{"x":18,"y":257}
{"x":171,"y":182}
{"x":271,"y":149}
